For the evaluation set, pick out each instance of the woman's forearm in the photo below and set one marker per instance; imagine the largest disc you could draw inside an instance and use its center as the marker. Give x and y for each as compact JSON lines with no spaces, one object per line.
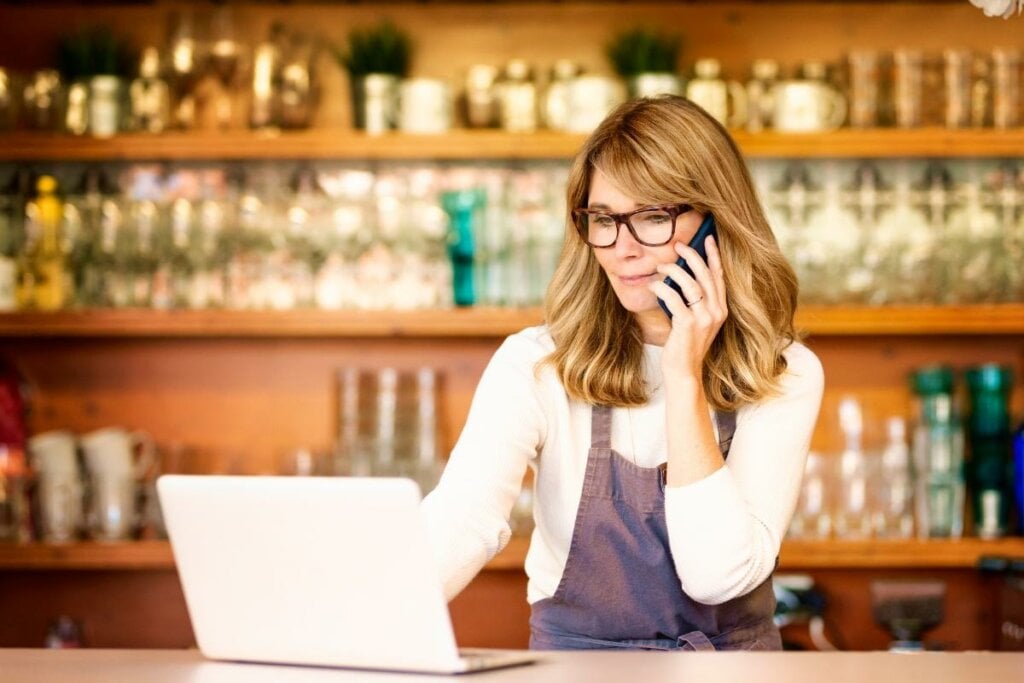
{"x":692,"y":451}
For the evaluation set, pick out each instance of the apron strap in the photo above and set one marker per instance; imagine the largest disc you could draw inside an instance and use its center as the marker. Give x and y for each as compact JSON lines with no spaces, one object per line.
{"x":726,"y":428}
{"x":600,"y":426}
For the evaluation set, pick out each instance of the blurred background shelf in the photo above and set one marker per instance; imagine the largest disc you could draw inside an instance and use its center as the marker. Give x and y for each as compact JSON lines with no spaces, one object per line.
{"x":1005,"y":319}
{"x":343,"y":144}
{"x":896,"y":554}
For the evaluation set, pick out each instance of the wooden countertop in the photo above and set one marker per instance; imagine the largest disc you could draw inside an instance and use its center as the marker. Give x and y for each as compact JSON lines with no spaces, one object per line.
{"x":188,"y":666}
{"x":796,"y":555}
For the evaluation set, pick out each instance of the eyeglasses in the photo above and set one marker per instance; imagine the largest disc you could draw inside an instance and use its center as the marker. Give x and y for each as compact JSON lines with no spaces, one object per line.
{"x":651,"y":226}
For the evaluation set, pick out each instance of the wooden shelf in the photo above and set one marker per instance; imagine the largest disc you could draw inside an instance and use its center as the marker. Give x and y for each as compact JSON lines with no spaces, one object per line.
{"x":1002,"y":319}
{"x":986,"y":319}
{"x":483,"y":144}
{"x":796,"y":555}
{"x":910,"y":554}
{"x":466,"y":322}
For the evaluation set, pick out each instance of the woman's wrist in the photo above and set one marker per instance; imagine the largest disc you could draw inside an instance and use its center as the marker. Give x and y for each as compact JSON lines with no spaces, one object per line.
{"x":683,"y":383}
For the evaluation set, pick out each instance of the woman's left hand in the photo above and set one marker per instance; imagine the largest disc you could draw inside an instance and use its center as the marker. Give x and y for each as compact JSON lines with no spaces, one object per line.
{"x":694,"y":325}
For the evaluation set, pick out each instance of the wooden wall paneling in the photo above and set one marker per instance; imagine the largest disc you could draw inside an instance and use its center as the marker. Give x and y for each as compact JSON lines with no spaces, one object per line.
{"x":114,"y":608}
{"x":146,"y":608}
{"x":492,"y":611}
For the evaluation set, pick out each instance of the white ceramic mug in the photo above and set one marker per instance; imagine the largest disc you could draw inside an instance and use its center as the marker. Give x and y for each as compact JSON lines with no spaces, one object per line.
{"x":53,"y":452}
{"x":425,"y":106}
{"x":807,"y":107}
{"x":113,"y":450}
{"x":590,"y":99}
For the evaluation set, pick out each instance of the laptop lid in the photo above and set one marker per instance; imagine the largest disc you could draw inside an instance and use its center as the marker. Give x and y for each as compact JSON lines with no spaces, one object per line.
{"x":308,"y":570}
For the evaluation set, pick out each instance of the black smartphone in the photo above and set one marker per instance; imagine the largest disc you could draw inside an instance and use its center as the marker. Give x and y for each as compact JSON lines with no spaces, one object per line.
{"x":706,"y":229}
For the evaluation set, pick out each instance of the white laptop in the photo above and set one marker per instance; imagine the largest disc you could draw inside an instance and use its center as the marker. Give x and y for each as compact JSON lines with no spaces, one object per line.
{"x":325,"y":571}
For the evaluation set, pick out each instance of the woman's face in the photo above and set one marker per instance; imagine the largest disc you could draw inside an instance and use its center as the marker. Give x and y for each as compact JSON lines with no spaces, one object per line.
{"x":629,"y":265}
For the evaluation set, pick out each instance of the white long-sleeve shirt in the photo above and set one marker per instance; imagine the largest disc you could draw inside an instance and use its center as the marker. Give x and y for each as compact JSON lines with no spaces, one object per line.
{"x":724,"y":530}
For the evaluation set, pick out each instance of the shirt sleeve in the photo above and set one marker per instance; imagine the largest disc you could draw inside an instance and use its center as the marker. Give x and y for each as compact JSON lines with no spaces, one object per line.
{"x":725,"y":530}
{"x":467,"y":514}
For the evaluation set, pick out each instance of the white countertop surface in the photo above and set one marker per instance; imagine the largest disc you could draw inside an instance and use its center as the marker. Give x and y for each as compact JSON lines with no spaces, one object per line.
{"x":181,"y":666}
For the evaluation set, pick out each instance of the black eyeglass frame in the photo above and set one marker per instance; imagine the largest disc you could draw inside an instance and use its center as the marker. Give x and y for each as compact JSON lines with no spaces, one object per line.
{"x":673,"y":210}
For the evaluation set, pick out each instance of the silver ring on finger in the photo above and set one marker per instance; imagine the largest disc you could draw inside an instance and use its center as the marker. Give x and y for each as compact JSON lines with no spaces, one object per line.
{"x":691,"y":304}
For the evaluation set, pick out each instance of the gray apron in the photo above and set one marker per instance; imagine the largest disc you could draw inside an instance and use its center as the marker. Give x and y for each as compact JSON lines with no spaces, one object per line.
{"x":620,"y":589}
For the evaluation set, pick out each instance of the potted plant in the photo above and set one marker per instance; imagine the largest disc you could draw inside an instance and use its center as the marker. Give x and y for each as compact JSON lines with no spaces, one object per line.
{"x":647,"y":61}
{"x":376,"y":58}
{"x":95,"y":64}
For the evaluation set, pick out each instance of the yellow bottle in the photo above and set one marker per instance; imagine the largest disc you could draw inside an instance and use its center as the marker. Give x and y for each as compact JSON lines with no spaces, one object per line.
{"x":51,"y":278}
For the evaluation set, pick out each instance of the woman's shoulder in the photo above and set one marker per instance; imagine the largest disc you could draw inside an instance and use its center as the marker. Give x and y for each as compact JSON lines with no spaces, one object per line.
{"x":801,"y":360}
{"x":529,"y":345}
{"x":804,"y":371}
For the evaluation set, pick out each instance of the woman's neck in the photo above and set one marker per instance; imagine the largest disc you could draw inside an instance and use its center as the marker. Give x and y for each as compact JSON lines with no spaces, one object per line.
{"x":654,"y":326}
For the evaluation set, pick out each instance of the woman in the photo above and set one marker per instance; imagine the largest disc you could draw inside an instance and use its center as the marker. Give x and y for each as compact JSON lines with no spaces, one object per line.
{"x":667,"y":453}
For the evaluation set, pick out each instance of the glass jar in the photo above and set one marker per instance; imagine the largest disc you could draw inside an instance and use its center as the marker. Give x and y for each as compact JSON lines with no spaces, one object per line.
{"x":938,"y":455}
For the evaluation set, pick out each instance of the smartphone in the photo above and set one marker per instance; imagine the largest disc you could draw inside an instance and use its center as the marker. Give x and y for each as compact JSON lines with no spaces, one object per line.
{"x":706,"y":229}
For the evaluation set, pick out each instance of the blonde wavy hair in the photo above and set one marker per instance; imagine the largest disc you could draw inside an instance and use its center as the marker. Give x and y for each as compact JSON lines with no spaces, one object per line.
{"x":657,"y":151}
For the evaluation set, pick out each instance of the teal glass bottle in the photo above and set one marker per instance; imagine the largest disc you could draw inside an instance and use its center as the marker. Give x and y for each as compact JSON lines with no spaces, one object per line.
{"x":464,"y":209}
{"x":989,"y":439}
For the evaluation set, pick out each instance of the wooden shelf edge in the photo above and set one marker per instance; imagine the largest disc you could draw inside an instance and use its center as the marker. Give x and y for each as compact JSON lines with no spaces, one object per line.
{"x":122,"y":555}
{"x":468,"y":322}
{"x":795,"y":555}
{"x":463,"y":144}
{"x":972,"y":319}
{"x":908,"y":554}
{"x":996,"y":319}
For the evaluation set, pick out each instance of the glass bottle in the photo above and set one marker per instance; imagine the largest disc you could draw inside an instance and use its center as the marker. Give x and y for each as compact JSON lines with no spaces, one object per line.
{"x":990,"y":439}
{"x":836,"y":233}
{"x":852,"y":517}
{"x":212,"y":220}
{"x":813,"y":517}
{"x":864,"y":87}
{"x":51,"y":277}
{"x":517,"y":95}
{"x":307,"y":222}
{"x":796,"y":198}
{"x":908,"y":87}
{"x":957,"y":78}
{"x":893,"y":514}
{"x":142,"y":235}
{"x":871,"y":277}
{"x":1006,"y":77}
{"x":1006,"y":196}
{"x":12,"y":212}
{"x":971,"y":245}
{"x":464,"y":209}
{"x":938,"y":448}
{"x":82,"y":224}
{"x":764,"y":74}
{"x":924,"y":266}
{"x":181,"y":239}
{"x":426,"y":433}
{"x":149,"y":95}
